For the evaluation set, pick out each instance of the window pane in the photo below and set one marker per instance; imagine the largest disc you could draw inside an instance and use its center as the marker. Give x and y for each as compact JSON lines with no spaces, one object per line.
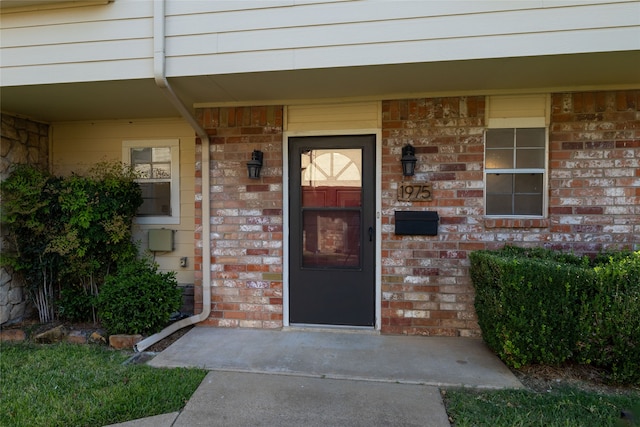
{"x":140,"y":155}
{"x":528,"y":183}
{"x":499,"y":204}
{"x":143,"y":170}
{"x":500,"y":183}
{"x":528,"y":204}
{"x":156,"y":198}
{"x":331,"y":178}
{"x":500,"y":138}
{"x":533,"y":137}
{"x":515,"y":193}
{"x":162,"y":170}
{"x":331,"y":239}
{"x":530,"y":158}
{"x":499,"y":159}
{"x":161,"y":154}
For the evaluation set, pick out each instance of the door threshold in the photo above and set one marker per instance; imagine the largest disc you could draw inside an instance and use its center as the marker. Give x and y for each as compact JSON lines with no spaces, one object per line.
{"x":303,"y":327}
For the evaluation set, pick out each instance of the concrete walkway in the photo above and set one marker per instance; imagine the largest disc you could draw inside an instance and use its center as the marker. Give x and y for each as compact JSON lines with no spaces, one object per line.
{"x":324,"y":378}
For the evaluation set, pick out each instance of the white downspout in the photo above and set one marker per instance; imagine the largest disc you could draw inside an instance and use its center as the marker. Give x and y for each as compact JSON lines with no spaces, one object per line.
{"x":159,"y":72}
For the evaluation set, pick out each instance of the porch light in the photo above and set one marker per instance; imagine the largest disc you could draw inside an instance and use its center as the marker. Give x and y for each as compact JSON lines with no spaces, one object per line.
{"x":408,"y":160}
{"x":255,"y":164}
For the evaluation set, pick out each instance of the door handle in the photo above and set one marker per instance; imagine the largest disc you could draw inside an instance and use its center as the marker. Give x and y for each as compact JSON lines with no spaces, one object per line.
{"x":371,"y":234}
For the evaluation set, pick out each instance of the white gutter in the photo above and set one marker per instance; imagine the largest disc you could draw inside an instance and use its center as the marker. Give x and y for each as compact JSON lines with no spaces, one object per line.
{"x":159,"y":73}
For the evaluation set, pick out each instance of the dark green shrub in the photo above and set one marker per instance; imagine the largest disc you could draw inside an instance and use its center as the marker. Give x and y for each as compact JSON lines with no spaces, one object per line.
{"x":30,"y":217}
{"x":610,"y":318}
{"x":527,"y":307}
{"x":138,"y":299}
{"x":75,"y":304}
{"x":540,"y":306}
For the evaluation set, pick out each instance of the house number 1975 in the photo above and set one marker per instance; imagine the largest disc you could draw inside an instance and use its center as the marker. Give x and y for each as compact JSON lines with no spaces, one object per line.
{"x":414,"y":193}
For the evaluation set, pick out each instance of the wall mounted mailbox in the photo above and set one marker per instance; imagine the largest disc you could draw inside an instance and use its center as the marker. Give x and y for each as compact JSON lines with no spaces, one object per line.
{"x":417,"y":223}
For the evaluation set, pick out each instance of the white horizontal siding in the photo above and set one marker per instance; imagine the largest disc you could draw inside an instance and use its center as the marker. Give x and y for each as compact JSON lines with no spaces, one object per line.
{"x":328,"y":14}
{"x":399,"y":30}
{"x":207,"y":37}
{"x":64,"y":34}
{"x":118,"y":10}
{"x":406,"y":52}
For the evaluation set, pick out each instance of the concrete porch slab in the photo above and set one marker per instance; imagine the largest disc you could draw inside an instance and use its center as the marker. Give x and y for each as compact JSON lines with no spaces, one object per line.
{"x":434,"y":361}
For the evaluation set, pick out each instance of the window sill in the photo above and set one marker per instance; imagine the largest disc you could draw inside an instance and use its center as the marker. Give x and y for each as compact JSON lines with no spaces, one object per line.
{"x":157,"y":220}
{"x":516,"y":222}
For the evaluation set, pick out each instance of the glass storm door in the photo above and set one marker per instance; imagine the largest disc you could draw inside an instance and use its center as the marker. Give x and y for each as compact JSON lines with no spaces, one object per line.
{"x":332,"y":239}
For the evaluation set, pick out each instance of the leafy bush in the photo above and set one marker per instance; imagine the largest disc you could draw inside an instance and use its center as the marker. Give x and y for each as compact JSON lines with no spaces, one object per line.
{"x":68,"y":232}
{"x":610,"y":319}
{"x":138,"y":299}
{"x":75,"y":304}
{"x":540,"y":306}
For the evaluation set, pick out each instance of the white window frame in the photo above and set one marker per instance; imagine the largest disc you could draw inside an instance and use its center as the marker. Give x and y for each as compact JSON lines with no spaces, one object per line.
{"x":174,"y":145}
{"x":544,"y":171}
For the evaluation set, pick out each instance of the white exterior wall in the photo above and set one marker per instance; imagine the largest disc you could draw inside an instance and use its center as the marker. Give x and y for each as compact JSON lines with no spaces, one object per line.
{"x":115,"y":41}
{"x":77,"y":146}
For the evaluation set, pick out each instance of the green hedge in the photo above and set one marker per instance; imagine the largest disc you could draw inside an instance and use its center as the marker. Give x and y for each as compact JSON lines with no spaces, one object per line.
{"x":138,"y":299}
{"x":537,"y":306}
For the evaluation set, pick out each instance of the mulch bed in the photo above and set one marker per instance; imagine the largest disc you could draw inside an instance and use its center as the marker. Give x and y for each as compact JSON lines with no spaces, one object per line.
{"x":542,"y":378}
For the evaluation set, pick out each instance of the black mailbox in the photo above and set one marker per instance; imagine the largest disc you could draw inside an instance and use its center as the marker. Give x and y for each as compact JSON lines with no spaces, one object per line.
{"x":417,"y":223}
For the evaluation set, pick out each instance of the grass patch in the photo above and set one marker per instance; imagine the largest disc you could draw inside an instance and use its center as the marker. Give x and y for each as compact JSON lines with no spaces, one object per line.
{"x":85,"y":385}
{"x":564,"y":406}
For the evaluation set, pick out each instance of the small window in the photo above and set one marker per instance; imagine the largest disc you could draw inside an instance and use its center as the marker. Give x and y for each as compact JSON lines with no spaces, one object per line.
{"x":156,"y":163}
{"x":515,"y":162}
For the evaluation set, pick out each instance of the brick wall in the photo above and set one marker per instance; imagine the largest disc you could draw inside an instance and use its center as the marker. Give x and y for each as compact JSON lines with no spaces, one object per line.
{"x":595,"y":171}
{"x":425,"y":284}
{"x":594,"y":199}
{"x":246,"y":217}
{"x":594,"y":204}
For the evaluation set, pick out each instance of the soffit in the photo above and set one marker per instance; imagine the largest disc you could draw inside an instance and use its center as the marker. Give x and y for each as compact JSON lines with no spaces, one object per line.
{"x":133,"y":99}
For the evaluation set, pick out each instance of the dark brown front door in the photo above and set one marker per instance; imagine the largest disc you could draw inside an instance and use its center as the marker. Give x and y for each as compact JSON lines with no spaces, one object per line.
{"x":332,"y":238}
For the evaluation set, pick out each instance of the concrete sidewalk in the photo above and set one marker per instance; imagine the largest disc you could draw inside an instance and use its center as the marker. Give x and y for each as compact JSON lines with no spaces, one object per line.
{"x":324,"y":378}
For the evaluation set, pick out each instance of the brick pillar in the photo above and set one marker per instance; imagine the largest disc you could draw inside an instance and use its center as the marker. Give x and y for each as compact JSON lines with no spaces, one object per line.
{"x":246,"y":217}
{"x":426,"y":288}
{"x":595,"y":171}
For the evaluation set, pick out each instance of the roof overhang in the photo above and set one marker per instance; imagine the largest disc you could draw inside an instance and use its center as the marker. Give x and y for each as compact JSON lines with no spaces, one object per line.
{"x":132,"y":99}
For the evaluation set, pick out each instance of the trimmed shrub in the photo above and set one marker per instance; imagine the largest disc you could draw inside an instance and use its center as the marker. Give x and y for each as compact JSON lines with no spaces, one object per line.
{"x":138,"y":299}
{"x":610,"y":319}
{"x":540,"y":306}
{"x":527,"y":307}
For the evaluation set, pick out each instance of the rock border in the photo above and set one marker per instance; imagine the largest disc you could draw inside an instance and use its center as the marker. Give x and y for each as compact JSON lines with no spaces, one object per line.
{"x":63,"y":333}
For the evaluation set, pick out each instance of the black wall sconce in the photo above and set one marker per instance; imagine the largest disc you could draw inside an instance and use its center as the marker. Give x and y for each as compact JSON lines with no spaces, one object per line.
{"x":408,"y":160}
{"x":255,"y":164}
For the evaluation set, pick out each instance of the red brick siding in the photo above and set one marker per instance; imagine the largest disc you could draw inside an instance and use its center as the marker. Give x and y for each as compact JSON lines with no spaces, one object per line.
{"x":246,"y":217}
{"x":594,"y":171}
{"x":594,"y":199}
{"x":425,"y":281}
{"x":594,"y":204}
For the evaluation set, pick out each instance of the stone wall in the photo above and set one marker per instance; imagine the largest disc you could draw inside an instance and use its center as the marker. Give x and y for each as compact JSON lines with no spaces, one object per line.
{"x":23,"y":142}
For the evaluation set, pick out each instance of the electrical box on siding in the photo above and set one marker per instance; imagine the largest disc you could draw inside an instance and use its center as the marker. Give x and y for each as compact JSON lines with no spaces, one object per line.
{"x":161,"y":240}
{"x":417,"y":223}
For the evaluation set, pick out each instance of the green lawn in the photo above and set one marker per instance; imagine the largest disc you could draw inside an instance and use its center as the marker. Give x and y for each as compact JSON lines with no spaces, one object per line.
{"x":85,"y":385}
{"x":558,"y":407}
